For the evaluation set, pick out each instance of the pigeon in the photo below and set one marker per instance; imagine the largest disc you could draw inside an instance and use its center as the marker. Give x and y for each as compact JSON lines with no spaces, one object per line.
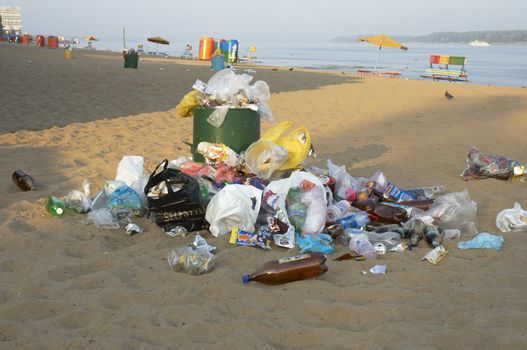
{"x":448,"y":96}
{"x":292,"y":68}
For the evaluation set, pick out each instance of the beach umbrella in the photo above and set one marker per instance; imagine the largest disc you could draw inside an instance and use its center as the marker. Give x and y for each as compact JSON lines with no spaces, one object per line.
{"x":158,"y":40}
{"x":90,"y":38}
{"x":382,"y":40}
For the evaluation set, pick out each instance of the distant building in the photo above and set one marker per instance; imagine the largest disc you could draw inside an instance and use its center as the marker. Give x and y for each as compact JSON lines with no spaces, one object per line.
{"x":11,"y":20}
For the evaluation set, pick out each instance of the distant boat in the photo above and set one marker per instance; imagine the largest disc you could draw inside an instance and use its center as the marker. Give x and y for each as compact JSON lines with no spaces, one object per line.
{"x":479,"y":43}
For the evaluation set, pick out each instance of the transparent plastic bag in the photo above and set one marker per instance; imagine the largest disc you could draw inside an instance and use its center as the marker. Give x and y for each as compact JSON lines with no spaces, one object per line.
{"x":512,"y":220}
{"x":481,"y":165}
{"x":118,"y":194}
{"x":192,"y":261}
{"x":102,"y":218}
{"x":343,"y":180}
{"x":450,"y":211}
{"x":79,"y":201}
{"x":217,"y":117}
{"x":225,"y":84}
{"x":263,"y":158}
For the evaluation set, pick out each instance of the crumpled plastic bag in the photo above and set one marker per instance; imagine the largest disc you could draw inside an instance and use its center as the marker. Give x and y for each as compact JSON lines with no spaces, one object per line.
{"x":343,"y":180}
{"x":116,"y":194}
{"x":225,"y":84}
{"x":450,"y":211}
{"x":297,"y":143}
{"x":275,"y":195}
{"x":233,"y":206}
{"x":190,"y":101}
{"x":483,"y":240}
{"x":317,"y":243}
{"x":263,"y":158}
{"x":192,"y":261}
{"x":512,"y":220}
{"x":482,"y":165}
{"x":79,"y":201}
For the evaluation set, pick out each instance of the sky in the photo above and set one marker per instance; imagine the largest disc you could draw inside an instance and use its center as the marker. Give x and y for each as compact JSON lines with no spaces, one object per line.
{"x":265,"y":19}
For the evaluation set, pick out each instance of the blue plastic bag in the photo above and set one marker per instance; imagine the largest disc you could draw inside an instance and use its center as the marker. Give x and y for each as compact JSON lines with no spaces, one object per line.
{"x":315,"y":243}
{"x":117,"y":194}
{"x":483,"y":240}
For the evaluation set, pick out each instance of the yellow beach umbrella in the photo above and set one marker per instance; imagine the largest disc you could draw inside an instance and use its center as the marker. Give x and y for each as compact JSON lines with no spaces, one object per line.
{"x":382,"y":40}
{"x":158,"y":40}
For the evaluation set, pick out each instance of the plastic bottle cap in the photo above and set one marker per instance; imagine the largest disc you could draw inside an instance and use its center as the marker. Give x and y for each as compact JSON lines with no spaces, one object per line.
{"x":59,"y":211}
{"x":246,"y":279}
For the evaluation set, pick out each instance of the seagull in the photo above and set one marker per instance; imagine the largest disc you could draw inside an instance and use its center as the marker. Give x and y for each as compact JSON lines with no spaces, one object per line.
{"x":448,"y":96}
{"x":291,"y":68}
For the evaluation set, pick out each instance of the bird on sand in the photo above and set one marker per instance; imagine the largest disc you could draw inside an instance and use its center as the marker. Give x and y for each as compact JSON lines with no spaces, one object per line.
{"x":448,"y":96}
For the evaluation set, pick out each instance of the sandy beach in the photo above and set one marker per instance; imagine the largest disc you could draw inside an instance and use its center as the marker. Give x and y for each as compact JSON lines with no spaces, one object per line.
{"x":68,"y":285}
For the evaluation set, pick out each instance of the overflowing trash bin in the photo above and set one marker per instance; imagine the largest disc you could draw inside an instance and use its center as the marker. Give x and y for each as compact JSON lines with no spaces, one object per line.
{"x":258,"y":191}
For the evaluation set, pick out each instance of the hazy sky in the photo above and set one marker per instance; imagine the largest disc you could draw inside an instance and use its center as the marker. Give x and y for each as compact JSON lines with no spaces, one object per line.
{"x":271,"y":19}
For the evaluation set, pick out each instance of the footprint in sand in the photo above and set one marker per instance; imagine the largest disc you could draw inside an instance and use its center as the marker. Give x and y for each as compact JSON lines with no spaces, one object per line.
{"x":66,"y":273}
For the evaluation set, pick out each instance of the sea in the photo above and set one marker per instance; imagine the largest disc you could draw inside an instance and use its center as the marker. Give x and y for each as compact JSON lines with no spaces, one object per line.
{"x":498,"y":64}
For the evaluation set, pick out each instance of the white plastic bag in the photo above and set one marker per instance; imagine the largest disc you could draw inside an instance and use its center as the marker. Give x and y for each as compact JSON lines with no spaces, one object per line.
{"x":234,"y":205}
{"x":275,"y":195}
{"x":512,"y":220}
{"x":130,"y":169}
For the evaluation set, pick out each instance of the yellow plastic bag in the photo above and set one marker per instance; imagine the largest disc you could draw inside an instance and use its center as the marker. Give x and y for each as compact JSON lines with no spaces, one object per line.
{"x":188,"y":102}
{"x":297,"y":143}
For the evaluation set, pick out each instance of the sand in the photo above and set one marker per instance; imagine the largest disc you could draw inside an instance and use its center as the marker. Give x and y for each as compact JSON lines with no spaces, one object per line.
{"x":67,"y":285}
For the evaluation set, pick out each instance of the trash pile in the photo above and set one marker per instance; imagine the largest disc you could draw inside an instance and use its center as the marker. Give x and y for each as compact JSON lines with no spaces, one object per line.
{"x":267,"y":197}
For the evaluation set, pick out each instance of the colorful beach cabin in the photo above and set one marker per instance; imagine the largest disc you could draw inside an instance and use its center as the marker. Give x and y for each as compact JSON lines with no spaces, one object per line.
{"x":451,"y":68}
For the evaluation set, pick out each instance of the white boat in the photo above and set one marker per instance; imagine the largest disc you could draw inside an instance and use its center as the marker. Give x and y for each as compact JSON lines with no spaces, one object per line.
{"x":479,"y":43}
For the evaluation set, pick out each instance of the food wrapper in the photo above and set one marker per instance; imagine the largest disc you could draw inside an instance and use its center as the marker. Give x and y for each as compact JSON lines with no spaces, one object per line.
{"x":240,"y":237}
{"x":436,"y":255}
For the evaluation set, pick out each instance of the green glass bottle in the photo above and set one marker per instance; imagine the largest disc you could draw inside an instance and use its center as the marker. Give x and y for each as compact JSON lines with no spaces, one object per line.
{"x":54,"y":206}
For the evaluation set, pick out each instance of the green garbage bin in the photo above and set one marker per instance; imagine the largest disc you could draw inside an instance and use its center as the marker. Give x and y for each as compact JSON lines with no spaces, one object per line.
{"x":130,"y":61}
{"x":239,"y":130}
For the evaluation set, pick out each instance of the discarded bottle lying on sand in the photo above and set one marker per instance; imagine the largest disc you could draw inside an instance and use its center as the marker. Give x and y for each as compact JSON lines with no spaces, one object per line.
{"x":338,"y":210}
{"x":432,"y":236}
{"x":54,"y":206}
{"x":354,"y":220}
{"x":289,"y":269}
{"x":23,"y":180}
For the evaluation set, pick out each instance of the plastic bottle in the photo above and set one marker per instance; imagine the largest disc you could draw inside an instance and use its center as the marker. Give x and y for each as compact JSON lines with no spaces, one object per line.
{"x":425,"y":192}
{"x":432,"y":236}
{"x":338,"y":210}
{"x":54,"y":206}
{"x":360,"y":244}
{"x":23,"y":180}
{"x":289,"y":269}
{"x":354,"y":220}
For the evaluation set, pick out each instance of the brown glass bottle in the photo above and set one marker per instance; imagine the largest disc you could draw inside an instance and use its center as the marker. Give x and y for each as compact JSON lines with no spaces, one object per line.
{"x":23,"y":180}
{"x":290,"y":269}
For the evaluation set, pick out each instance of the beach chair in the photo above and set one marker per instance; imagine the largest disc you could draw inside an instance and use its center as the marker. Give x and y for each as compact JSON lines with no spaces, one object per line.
{"x":451,"y":68}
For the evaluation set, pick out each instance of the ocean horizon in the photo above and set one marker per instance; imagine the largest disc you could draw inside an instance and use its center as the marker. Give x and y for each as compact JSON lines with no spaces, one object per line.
{"x":498,"y":64}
